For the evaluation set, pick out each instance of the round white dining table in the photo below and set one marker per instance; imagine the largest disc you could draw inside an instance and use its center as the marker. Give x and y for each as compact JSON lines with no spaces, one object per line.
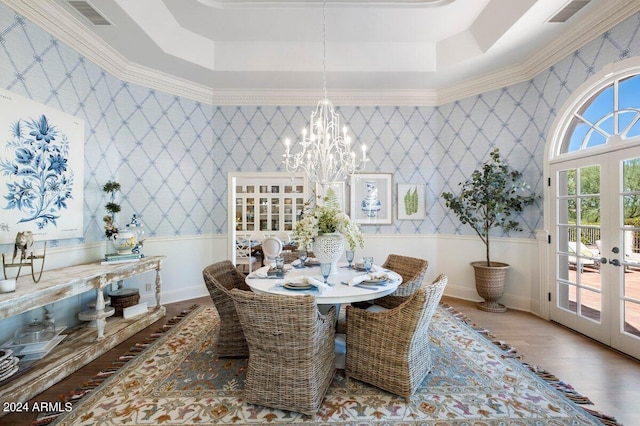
{"x":337,"y":294}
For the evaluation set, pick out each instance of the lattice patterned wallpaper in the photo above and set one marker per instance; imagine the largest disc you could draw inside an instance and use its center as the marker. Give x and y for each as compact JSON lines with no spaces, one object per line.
{"x":172,"y":155}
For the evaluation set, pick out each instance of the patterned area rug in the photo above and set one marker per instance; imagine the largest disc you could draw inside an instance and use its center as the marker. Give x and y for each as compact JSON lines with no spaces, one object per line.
{"x":179,"y":380}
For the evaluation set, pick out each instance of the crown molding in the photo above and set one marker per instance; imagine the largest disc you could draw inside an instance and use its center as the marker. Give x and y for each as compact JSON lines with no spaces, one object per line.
{"x":580,"y":33}
{"x":483,"y":84}
{"x":62,"y":25}
{"x":55,"y":20}
{"x":239,"y":4}
{"x":341,"y":97}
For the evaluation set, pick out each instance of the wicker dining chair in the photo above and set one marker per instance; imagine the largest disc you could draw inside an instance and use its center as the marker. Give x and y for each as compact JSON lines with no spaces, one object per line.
{"x":220,"y":278}
{"x":291,"y":350}
{"x":391,"y":349}
{"x":412,"y":270}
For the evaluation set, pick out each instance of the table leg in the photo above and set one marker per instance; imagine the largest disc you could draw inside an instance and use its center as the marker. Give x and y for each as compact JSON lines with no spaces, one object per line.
{"x":341,"y":339}
{"x":158,"y":286}
{"x":341,"y":350}
{"x":101,"y":320}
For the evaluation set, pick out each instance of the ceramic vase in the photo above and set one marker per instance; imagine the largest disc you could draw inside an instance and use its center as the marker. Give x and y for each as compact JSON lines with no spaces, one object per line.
{"x":328,"y":248}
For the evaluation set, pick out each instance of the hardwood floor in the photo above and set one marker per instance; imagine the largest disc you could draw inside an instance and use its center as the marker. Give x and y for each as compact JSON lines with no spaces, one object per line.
{"x":608,"y":378}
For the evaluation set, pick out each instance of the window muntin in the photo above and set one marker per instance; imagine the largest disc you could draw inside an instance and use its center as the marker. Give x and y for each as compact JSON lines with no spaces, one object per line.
{"x":613,"y":110}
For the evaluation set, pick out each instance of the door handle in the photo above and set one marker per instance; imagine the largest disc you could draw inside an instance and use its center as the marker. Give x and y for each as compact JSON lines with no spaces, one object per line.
{"x":614,"y":262}
{"x":603,"y":260}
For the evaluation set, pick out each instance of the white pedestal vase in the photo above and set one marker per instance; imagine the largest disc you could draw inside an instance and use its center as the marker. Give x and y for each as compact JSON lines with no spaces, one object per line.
{"x":328,"y":248}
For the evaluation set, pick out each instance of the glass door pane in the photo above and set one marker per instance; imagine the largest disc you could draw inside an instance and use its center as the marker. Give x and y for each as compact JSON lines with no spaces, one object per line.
{"x":630,"y":198}
{"x":579,"y":289}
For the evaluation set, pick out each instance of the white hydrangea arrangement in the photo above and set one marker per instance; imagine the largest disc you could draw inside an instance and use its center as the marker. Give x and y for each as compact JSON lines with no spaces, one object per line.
{"x":327,"y":218}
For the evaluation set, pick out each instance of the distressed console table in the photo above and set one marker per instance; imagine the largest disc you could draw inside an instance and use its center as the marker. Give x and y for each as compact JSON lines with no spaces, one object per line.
{"x":83,"y":344}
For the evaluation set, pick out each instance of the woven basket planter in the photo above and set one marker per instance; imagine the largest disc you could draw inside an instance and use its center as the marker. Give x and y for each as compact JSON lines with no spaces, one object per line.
{"x":490,"y":284}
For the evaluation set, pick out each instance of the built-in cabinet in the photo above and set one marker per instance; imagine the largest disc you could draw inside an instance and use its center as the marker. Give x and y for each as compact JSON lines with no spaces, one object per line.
{"x":268,"y":204}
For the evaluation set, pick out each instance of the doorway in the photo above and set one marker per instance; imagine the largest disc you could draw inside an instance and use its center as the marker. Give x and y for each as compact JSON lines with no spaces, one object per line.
{"x":596,"y":257}
{"x":594,"y":214}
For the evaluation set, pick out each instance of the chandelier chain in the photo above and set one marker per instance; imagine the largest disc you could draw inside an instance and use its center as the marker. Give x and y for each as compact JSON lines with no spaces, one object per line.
{"x":324,"y":48}
{"x":325,"y":154}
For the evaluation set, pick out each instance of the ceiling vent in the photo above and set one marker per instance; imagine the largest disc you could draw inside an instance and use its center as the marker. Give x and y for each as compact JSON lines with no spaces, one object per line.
{"x":569,"y":10}
{"x":89,"y":12}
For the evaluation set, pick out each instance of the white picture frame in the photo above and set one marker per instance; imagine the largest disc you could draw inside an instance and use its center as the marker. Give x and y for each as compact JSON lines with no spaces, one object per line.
{"x":412,"y":201}
{"x":371,"y":198}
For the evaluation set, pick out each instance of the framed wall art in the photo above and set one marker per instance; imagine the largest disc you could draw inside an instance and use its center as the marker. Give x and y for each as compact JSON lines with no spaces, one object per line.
{"x":411,"y":201}
{"x":41,"y":170}
{"x":371,"y":198}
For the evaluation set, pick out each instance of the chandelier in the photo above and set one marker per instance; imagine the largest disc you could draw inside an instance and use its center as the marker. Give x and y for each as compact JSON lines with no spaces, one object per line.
{"x":325,"y":154}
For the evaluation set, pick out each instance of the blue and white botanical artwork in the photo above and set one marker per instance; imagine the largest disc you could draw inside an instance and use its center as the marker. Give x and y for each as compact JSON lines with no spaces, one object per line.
{"x":41,"y":170}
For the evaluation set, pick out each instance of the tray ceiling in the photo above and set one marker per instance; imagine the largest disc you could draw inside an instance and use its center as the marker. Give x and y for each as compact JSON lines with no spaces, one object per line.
{"x":428,"y":50}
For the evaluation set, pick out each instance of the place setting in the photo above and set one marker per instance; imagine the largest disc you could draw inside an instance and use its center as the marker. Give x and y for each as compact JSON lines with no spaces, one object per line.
{"x":374,"y":276}
{"x":302,"y":283}
{"x":371,"y":279}
{"x":275,"y":270}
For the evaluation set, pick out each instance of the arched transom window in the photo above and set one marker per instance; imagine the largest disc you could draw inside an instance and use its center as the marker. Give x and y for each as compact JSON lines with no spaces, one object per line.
{"x":612,"y":113}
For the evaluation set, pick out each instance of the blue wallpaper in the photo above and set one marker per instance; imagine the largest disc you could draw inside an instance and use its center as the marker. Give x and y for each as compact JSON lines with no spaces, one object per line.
{"x":172,"y":155}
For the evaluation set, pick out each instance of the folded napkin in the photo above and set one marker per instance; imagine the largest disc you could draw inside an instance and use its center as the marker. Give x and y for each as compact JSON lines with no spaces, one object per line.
{"x":376,"y":275}
{"x":261,"y":273}
{"x":321,"y":286}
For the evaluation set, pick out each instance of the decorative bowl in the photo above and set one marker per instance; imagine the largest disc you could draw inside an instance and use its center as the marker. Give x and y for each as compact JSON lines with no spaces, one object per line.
{"x":8,"y":286}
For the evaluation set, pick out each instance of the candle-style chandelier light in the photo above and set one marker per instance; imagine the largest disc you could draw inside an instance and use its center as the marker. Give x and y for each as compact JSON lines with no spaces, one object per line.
{"x":325,"y":154}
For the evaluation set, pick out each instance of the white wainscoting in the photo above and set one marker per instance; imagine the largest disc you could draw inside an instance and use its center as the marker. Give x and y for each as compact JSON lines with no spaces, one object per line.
{"x":451,"y":254}
{"x":187,"y":256}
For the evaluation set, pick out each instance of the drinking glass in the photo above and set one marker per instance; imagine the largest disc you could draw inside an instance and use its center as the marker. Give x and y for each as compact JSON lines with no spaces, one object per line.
{"x":325,"y":270}
{"x":349,"y":255}
{"x":280,"y":264}
{"x":302,"y":255}
{"x":368,"y":263}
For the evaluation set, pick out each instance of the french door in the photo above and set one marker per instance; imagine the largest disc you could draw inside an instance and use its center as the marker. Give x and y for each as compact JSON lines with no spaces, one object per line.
{"x":595,"y":261}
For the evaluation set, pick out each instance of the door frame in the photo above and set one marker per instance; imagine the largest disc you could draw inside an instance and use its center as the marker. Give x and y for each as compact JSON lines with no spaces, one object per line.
{"x":580,"y":95}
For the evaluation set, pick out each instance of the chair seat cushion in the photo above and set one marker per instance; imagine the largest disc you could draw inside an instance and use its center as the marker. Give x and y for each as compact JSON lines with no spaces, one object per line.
{"x":246,"y":260}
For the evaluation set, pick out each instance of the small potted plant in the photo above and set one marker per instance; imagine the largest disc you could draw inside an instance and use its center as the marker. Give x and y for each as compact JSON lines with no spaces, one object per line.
{"x":110,"y":226}
{"x":486,"y":201}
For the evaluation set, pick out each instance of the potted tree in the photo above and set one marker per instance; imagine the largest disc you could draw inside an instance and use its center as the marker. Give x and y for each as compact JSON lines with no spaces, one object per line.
{"x":486,"y":201}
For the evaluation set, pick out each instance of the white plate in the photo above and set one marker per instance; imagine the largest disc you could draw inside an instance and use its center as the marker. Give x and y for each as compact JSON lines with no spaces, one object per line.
{"x":5,"y":354}
{"x":9,"y":373}
{"x":380,"y":280}
{"x":8,"y":364}
{"x":291,"y":286}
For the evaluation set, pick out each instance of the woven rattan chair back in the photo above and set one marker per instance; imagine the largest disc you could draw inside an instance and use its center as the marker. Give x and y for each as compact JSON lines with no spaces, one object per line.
{"x":391,"y":349}
{"x":220,"y":278}
{"x":412,"y":270}
{"x":291,"y":350}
